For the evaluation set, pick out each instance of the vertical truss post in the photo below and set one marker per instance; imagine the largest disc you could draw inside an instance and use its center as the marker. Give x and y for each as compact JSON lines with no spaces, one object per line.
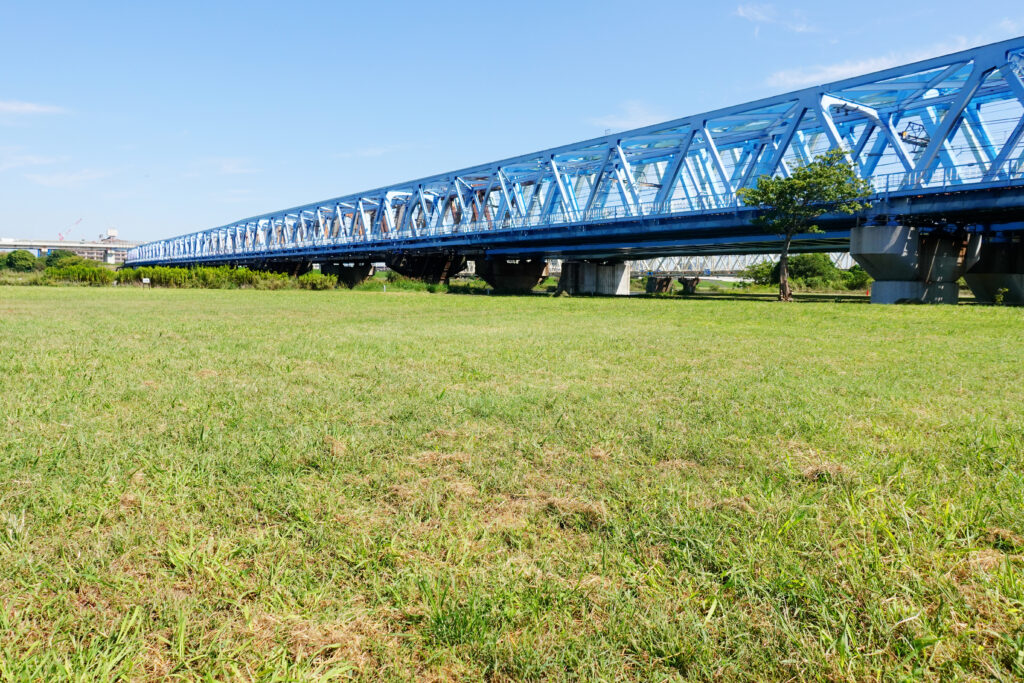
{"x":568,"y":203}
{"x":627,"y":185}
{"x":716,"y":159}
{"x":598,"y":179}
{"x":671,"y":175}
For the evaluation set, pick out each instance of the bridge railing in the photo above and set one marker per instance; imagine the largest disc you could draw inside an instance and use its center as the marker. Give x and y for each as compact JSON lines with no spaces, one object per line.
{"x":216,"y":244}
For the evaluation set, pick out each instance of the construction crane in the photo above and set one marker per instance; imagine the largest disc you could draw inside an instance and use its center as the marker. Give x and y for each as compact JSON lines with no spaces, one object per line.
{"x":67,"y":230}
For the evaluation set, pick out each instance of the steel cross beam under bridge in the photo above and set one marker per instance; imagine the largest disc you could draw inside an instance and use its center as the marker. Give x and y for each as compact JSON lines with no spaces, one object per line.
{"x":941,"y":141}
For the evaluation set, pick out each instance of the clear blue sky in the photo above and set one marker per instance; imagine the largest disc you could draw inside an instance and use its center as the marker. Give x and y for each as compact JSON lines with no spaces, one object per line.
{"x":159,"y":118}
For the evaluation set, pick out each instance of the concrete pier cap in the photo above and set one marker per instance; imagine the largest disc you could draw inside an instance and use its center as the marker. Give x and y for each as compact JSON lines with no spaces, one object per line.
{"x":517,"y":276}
{"x":348,"y":274}
{"x":914,"y":265}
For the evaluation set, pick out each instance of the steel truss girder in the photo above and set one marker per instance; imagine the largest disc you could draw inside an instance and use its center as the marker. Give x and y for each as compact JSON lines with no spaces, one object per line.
{"x":693,"y":164}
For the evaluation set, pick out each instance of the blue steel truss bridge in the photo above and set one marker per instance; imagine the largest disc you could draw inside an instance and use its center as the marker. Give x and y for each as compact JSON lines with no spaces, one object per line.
{"x":941,"y":141}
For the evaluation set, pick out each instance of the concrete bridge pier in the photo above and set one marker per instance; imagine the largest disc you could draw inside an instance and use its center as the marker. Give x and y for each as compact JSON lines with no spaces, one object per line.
{"x":512,"y":277}
{"x":432,"y":268}
{"x":350,"y":274}
{"x":292,"y":268}
{"x":657,"y":284}
{"x":589,"y":277}
{"x":999,"y":272}
{"x":911,"y":266}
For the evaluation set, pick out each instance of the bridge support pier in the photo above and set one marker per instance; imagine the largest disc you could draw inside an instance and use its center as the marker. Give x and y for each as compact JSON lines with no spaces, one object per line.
{"x":433,"y":268}
{"x":999,"y":271}
{"x":658,"y":284}
{"x":586,"y":277}
{"x":291,"y":268}
{"x":349,"y":275}
{"x":512,"y":277}
{"x":913,"y":267}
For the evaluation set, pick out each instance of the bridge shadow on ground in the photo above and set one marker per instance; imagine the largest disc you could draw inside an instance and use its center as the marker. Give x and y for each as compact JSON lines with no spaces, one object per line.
{"x":859,"y":298}
{"x":833,"y":297}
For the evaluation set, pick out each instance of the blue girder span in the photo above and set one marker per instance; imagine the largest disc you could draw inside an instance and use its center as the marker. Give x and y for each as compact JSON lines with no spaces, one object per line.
{"x":940,"y":140}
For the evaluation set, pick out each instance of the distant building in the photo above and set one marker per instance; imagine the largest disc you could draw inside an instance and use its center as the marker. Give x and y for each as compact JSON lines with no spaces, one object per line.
{"x":107,"y":249}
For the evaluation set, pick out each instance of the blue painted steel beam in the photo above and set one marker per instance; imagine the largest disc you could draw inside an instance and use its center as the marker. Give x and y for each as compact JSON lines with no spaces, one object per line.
{"x":970,"y":106}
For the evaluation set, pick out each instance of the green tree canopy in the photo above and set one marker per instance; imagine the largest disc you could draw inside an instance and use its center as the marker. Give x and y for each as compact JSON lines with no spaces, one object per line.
{"x":21,"y":260}
{"x":791,"y":205}
{"x":62,"y":257}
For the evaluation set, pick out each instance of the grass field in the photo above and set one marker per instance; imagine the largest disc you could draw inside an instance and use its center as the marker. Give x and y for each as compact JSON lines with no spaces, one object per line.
{"x":294,"y":485}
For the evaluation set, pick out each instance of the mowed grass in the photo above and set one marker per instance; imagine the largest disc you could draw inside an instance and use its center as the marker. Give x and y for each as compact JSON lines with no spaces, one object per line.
{"x":389,"y":486}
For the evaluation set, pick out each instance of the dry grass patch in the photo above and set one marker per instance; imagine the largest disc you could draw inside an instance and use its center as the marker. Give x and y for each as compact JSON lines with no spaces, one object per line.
{"x":441,"y":435}
{"x":677,"y":465}
{"x":442,"y":458}
{"x":335,"y":448}
{"x":574,"y":513}
{"x":1004,"y":539}
{"x":829,"y":473}
{"x":738,"y":504}
{"x":985,"y":560}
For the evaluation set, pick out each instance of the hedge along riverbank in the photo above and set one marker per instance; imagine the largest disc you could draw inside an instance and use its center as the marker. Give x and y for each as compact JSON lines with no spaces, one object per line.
{"x":222,"y":277}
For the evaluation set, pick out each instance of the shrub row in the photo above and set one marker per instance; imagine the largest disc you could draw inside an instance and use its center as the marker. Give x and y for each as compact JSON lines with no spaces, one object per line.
{"x":221,"y":277}
{"x":85,"y":274}
{"x":810,"y":271}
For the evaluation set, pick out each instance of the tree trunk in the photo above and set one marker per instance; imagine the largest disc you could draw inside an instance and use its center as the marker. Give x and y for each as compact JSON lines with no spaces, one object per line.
{"x":785,"y":293}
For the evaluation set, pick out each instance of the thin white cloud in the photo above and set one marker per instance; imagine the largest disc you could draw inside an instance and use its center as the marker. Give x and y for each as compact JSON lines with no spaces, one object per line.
{"x":634,"y":114}
{"x":826,"y":73}
{"x":67,"y":179}
{"x":12,"y":159}
{"x":756,"y":13}
{"x":763,"y":13}
{"x":16,"y":107}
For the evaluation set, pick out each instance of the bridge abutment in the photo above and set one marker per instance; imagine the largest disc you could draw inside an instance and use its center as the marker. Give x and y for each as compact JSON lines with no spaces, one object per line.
{"x":913,"y":267}
{"x":999,"y":273}
{"x":587,"y":277}
{"x":433,"y":268}
{"x":349,"y":275}
{"x":512,"y":277}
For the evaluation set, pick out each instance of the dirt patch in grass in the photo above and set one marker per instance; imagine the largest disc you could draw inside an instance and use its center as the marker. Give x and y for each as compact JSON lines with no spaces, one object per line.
{"x":829,"y":473}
